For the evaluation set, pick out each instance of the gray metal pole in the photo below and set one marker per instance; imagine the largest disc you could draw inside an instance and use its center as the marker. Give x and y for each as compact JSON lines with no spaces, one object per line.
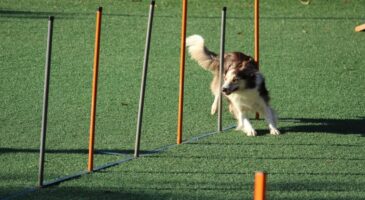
{"x":45,"y":101}
{"x":221,"y":67}
{"x":143,"y":83}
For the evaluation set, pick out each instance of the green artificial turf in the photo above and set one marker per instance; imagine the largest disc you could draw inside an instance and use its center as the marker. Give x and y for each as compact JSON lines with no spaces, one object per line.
{"x":310,"y":55}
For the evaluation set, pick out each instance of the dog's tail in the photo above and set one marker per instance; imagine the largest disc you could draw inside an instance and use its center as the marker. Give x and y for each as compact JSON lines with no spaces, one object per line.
{"x":198,"y":52}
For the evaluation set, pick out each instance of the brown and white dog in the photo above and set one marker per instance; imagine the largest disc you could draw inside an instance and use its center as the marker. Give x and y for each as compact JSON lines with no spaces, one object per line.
{"x":244,"y":86}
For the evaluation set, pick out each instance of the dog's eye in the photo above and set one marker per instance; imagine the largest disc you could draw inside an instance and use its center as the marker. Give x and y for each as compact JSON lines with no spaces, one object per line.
{"x":234,"y":80}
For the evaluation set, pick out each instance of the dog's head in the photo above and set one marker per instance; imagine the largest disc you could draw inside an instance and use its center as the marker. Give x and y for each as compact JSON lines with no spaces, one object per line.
{"x":239,"y":74}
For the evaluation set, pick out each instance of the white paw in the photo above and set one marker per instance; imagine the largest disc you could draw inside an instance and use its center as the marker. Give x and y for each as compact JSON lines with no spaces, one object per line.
{"x":213,"y":110}
{"x":250,"y":132}
{"x":274,"y":131}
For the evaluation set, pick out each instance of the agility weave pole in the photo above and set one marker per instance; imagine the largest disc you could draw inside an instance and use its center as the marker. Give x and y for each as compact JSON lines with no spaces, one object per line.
{"x":221,"y":67}
{"x":94,"y":90}
{"x":182,"y":72}
{"x":257,"y":32}
{"x":260,"y":186}
{"x":41,"y":182}
{"x":143,"y":81}
{"x":257,"y":36}
{"x":47,"y":72}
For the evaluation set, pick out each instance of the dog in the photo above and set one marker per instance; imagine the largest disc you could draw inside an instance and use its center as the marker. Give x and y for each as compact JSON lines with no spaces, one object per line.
{"x":243,"y":86}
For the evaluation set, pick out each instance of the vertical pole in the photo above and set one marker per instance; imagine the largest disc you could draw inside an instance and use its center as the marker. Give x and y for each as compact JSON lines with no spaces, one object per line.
{"x":143,"y":81}
{"x":45,"y":101}
{"x":94,"y":90}
{"x":182,"y":72}
{"x":257,"y":34}
{"x":260,"y":186}
{"x":221,"y":67}
{"x":256,"y":31}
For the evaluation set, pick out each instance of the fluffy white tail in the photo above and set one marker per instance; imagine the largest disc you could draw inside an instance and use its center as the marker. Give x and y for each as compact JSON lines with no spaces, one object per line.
{"x":198,"y":52}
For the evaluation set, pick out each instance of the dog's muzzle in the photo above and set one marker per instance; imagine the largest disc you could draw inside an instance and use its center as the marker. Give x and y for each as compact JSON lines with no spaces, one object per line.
{"x":229,"y":90}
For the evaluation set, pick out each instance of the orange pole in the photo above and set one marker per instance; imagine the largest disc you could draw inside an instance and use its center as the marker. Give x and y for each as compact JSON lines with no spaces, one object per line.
{"x":182,"y":72}
{"x":260,"y":186}
{"x":256,"y":32}
{"x":94,"y":90}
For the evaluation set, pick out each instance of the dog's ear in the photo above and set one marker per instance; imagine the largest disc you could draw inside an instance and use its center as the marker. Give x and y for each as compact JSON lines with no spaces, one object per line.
{"x":249,"y":75}
{"x":249,"y":64}
{"x":246,"y":73}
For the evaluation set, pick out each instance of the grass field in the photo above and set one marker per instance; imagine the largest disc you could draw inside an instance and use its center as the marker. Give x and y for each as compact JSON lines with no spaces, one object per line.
{"x":311,"y":57}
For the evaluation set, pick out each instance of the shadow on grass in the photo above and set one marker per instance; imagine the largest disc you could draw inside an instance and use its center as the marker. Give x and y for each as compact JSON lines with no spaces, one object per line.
{"x":337,"y":126}
{"x":33,"y":14}
{"x":45,"y":14}
{"x":236,"y":173}
{"x":172,"y":190}
{"x":74,"y":151}
{"x":85,"y":193}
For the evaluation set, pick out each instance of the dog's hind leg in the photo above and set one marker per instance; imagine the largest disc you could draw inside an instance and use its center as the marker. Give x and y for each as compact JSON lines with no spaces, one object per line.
{"x":270,"y":118}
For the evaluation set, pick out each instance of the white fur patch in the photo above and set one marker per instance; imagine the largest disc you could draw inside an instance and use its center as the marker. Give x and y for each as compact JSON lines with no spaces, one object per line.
{"x":194,"y":40}
{"x":249,"y":100}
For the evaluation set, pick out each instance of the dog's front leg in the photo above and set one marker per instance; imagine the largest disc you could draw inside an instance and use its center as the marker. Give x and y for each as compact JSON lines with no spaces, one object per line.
{"x":214,"y":105}
{"x":245,"y":125}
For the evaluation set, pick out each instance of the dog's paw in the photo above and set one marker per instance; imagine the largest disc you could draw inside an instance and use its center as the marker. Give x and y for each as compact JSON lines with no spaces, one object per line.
{"x":274,"y":131}
{"x":250,"y":132}
{"x":213,"y":110}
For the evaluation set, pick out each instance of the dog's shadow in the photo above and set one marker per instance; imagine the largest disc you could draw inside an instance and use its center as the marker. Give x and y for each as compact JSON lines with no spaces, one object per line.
{"x":325,"y":125}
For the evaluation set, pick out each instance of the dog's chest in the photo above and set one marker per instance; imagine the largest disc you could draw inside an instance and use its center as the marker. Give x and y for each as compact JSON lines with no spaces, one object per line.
{"x":245,"y":100}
